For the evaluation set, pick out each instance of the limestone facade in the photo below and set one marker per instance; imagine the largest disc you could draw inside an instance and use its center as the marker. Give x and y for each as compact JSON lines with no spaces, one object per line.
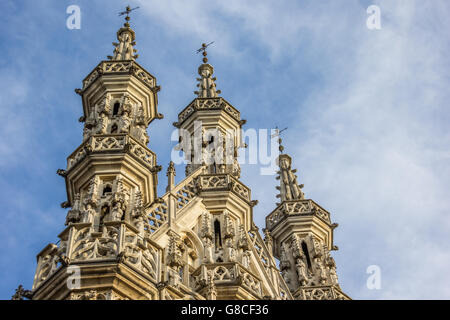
{"x":198,"y":240}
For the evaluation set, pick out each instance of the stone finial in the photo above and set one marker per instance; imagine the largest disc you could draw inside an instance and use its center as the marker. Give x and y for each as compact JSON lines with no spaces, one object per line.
{"x":211,"y":291}
{"x":289,"y":188}
{"x":174,"y":256}
{"x":170,"y":176}
{"x":124,"y":49}
{"x":206,"y":85}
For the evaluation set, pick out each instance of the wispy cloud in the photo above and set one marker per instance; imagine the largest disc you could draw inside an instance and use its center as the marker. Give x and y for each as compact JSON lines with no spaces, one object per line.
{"x":366,"y":110}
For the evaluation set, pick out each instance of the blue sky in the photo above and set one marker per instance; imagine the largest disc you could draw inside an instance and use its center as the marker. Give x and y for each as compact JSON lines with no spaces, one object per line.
{"x":367,"y":112}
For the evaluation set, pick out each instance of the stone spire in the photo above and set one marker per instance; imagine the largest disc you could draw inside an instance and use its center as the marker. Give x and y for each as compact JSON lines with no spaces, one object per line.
{"x":289,"y":188}
{"x":206,"y":85}
{"x":124,"y":50}
{"x":170,"y":176}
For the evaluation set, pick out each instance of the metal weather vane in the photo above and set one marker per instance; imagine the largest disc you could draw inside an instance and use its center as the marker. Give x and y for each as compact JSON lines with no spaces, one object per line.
{"x":127,"y":12}
{"x":203,"y":50}
{"x":278,"y":133}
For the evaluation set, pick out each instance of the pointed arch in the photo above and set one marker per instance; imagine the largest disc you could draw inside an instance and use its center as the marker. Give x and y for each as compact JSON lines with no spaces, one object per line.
{"x":217,"y":234}
{"x":116,"y":108}
{"x":197,"y":245}
{"x":306,"y":253}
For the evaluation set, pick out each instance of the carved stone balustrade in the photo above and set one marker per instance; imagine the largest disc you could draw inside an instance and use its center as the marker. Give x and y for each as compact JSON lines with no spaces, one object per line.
{"x":217,"y":182}
{"x":229,"y":273}
{"x":208,"y":104}
{"x":120,"y":67}
{"x":320,"y":293}
{"x":184,"y":193}
{"x":118,"y":241}
{"x":296,"y":207}
{"x":112,"y":143}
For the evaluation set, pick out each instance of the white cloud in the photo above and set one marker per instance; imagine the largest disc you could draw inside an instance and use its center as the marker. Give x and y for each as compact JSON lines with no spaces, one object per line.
{"x":370,"y":139}
{"x":374,"y":142}
{"x":374,"y":151}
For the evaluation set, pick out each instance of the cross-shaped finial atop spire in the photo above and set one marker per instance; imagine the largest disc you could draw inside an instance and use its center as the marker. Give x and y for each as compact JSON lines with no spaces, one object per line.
{"x":127,"y":12}
{"x":203,"y":50}
{"x":278,"y":133}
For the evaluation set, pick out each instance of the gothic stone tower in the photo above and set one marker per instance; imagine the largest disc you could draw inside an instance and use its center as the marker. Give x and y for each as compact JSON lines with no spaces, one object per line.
{"x":109,"y":178}
{"x":198,"y":240}
{"x":302,"y":235}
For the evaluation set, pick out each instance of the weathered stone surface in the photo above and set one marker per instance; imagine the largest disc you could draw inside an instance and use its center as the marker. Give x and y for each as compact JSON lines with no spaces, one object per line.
{"x":198,"y":240}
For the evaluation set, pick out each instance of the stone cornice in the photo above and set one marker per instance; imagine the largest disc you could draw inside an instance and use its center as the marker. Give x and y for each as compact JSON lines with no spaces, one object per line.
{"x":114,"y":67}
{"x":201,"y":104}
{"x":306,"y":207}
{"x":112,"y":143}
{"x":218,"y":182}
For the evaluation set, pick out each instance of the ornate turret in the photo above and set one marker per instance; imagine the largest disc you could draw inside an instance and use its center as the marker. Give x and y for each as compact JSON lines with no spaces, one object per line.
{"x":199,"y":239}
{"x":210,"y":127}
{"x":124,"y":50}
{"x":206,"y":85}
{"x":289,"y":188}
{"x":110,"y":179}
{"x":302,"y":235}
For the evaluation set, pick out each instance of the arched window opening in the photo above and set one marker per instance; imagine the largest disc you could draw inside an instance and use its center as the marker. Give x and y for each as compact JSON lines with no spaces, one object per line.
{"x":306,"y":252}
{"x":107,"y":189}
{"x":217,"y":234}
{"x":116,"y":108}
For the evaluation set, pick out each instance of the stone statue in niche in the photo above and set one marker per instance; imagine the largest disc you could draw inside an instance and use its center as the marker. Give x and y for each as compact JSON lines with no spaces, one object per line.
{"x":246,"y":258}
{"x":236,"y":169}
{"x":229,"y":226}
{"x":141,"y":133}
{"x":322,"y":274}
{"x":93,"y":191}
{"x":140,"y":224}
{"x":90,"y":121}
{"x":74,"y":215}
{"x":208,"y":250}
{"x":333,"y":276}
{"x":140,"y":116}
{"x":230,"y":251}
{"x":174,"y":278}
{"x":88,"y":213}
{"x":316,"y":248}
{"x":242,"y":242}
{"x":301,"y":271}
{"x":90,"y":124}
{"x":117,"y":211}
{"x":331,"y":266}
{"x":284,"y":261}
{"x":102,"y":124}
{"x":124,"y":122}
{"x":105,"y":105}
{"x":87,"y":131}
